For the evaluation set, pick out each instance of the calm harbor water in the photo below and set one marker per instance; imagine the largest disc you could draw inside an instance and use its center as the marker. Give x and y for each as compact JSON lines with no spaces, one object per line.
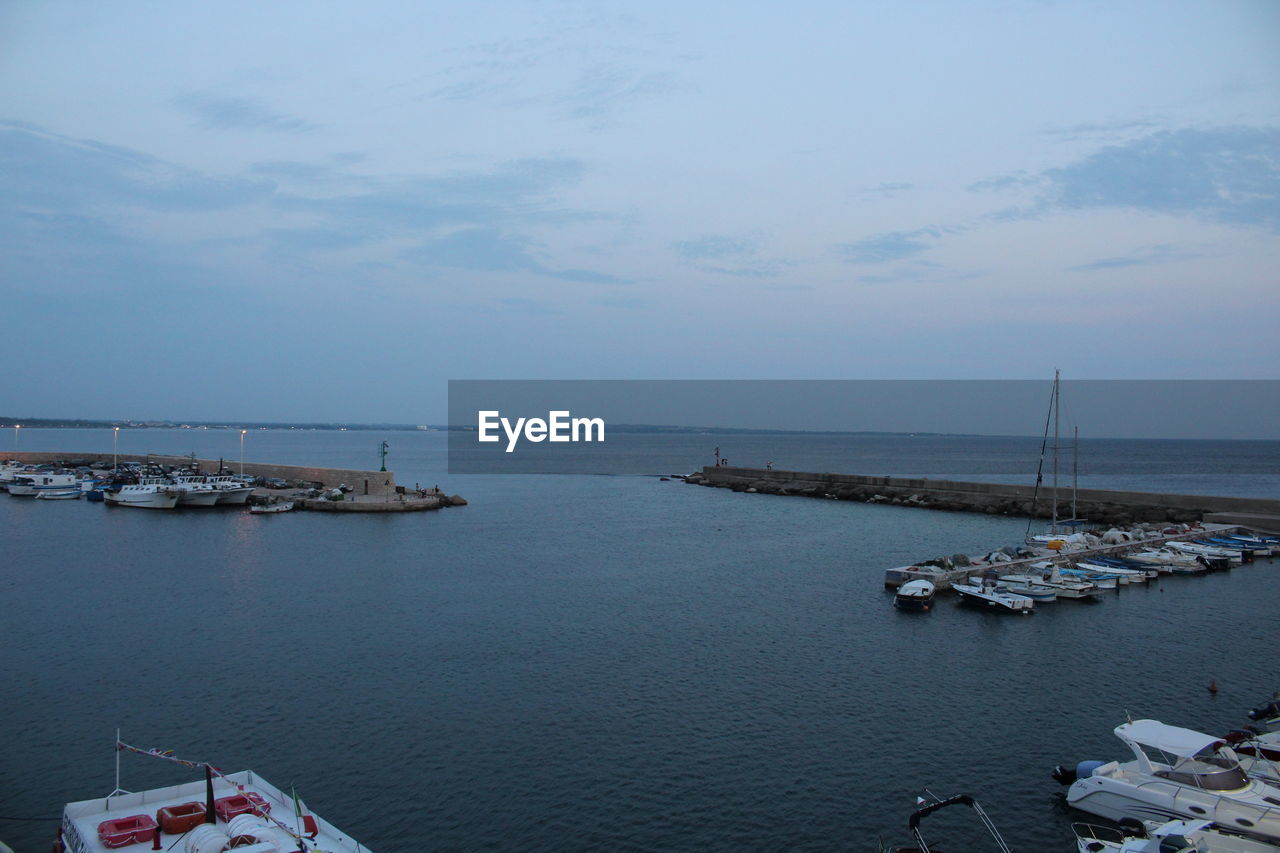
{"x":579,"y":663}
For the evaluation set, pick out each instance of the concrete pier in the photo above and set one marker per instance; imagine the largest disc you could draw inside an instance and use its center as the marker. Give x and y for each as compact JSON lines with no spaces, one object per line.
{"x":1100,"y":506}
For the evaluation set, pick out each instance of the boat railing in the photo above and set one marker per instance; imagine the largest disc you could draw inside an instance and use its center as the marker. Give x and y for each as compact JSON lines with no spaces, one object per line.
{"x":1094,"y":832}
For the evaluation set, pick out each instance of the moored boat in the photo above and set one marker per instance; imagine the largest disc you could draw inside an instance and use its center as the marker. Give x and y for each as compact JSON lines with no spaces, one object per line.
{"x":30,"y":484}
{"x":1175,"y":836}
{"x":148,"y":493}
{"x":1176,"y":773}
{"x":59,"y":494}
{"x":913,"y":595}
{"x":287,"y":506}
{"x":926,"y":809}
{"x":988,"y":593}
{"x":230,"y":490}
{"x":222,"y":811}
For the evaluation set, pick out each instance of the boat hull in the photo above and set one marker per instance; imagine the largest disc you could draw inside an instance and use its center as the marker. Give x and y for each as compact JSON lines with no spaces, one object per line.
{"x":141,"y":500}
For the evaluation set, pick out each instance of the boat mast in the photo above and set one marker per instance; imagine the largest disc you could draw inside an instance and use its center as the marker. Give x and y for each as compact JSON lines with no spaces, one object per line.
{"x":1075,"y":472}
{"x":1056,"y":402}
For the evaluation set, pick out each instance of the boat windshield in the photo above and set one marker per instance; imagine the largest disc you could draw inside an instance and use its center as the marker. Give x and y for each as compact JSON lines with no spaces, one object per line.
{"x":1211,"y":769}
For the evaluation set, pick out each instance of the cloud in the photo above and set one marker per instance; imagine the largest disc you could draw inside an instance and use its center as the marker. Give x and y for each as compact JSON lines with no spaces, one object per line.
{"x":216,"y":112}
{"x":490,"y":250}
{"x":893,"y":246}
{"x":714,"y":246}
{"x":48,"y":171}
{"x":1143,"y":257}
{"x":1226,"y":175}
{"x":602,"y":90}
{"x":886,"y":190}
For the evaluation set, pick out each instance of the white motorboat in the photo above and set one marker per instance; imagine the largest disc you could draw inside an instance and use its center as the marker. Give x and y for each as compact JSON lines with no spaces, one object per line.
{"x":1124,"y":575}
{"x":1267,"y":715}
{"x":147,"y":493}
{"x":222,"y":811}
{"x":1176,"y":773}
{"x":31,"y":484}
{"x":1064,"y":586}
{"x":59,"y":494}
{"x":194,"y":491}
{"x":1195,"y":549}
{"x":1029,"y":585}
{"x":1175,"y":836}
{"x":912,"y":595}
{"x":1095,"y":576}
{"x":988,"y":593}
{"x":230,"y":490}
{"x":1169,"y":560}
{"x":287,"y":506}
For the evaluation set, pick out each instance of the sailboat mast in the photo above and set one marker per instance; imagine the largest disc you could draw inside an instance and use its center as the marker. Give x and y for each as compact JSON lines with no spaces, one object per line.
{"x":1056,"y":400}
{"x":1075,"y":472}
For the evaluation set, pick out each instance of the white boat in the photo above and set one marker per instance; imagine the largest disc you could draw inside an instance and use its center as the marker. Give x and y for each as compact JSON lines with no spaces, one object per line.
{"x":1175,"y":836}
{"x":230,"y":490}
{"x":1176,"y":773}
{"x":1065,"y":587}
{"x":1030,"y":586}
{"x":1267,"y":715}
{"x":59,"y":494}
{"x":912,"y":595}
{"x":287,"y":506}
{"x":1169,"y":560}
{"x":1195,"y":549}
{"x":988,"y":593}
{"x":30,"y":484}
{"x":194,"y":491}
{"x":240,"y":811}
{"x":148,"y":493}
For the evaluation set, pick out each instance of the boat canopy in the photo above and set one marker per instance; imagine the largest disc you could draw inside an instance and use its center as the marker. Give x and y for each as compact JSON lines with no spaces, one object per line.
{"x":1172,"y":740}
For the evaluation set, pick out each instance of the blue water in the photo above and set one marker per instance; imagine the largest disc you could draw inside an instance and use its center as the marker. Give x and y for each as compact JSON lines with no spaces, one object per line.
{"x":584,"y":663}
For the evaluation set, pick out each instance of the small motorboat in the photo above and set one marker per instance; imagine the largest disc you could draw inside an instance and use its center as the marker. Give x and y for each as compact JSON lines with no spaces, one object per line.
{"x":58,"y":494}
{"x":1179,"y":836}
{"x":987,"y":592}
{"x":921,"y":846}
{"x":264,"y":509}
{"x":915,"y":595}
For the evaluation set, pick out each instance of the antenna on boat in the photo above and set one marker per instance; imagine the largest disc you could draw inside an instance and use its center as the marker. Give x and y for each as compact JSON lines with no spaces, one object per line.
{"x":118,"y":790}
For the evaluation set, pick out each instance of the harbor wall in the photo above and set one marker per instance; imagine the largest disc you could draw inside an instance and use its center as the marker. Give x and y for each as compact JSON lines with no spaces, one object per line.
{"x":1098,"y":505}
{"x":379,"y":483}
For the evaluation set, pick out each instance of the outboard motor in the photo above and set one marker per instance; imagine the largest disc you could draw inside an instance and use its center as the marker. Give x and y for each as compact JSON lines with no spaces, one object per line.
{"x":1265,"y":711}
{"x":1083,"y":770}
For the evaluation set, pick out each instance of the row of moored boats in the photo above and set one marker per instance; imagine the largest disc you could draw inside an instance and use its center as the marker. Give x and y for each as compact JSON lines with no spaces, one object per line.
{"x":131,"y":487}
{"x":1018,"y":588}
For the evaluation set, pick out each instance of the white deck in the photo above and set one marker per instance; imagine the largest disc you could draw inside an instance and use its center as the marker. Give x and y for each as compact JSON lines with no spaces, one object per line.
{"x":80,"y":820}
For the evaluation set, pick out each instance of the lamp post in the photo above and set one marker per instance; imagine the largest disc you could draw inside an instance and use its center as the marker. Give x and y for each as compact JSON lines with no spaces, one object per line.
{"x":115,"y":449}
{"x":242,"y":432}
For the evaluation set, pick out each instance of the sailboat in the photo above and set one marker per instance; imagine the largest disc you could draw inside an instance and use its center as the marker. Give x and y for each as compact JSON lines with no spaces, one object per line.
{"x":1055,"y":535}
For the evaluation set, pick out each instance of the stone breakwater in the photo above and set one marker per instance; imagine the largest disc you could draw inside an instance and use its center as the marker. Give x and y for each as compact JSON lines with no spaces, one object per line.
{"x":1100,"y":506}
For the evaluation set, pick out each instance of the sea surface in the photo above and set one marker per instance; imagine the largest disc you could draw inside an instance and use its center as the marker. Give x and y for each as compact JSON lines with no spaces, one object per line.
{"x":602,"y":662}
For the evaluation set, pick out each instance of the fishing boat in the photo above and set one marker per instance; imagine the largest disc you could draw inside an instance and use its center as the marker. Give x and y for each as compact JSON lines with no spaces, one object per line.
{"x":230,"y":490}
{"x":194,"y":491}
{"x":912,"y":595}
{"x":287,"y":506}
{"x":1176,"y":773}
{"x":1175,"y":836}
{"x":147,"y":493}
{"x":988,"y":593}
{"x":219,"y":812}
{"x":31,"y":484}
{"x":927,"y":808}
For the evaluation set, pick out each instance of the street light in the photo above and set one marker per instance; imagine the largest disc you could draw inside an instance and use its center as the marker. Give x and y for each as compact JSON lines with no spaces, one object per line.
{"x":115,"y":447}
{"x":242,"y":432}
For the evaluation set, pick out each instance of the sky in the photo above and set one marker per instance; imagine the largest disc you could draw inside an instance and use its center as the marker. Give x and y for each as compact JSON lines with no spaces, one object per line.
{"x":313,"y":212}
